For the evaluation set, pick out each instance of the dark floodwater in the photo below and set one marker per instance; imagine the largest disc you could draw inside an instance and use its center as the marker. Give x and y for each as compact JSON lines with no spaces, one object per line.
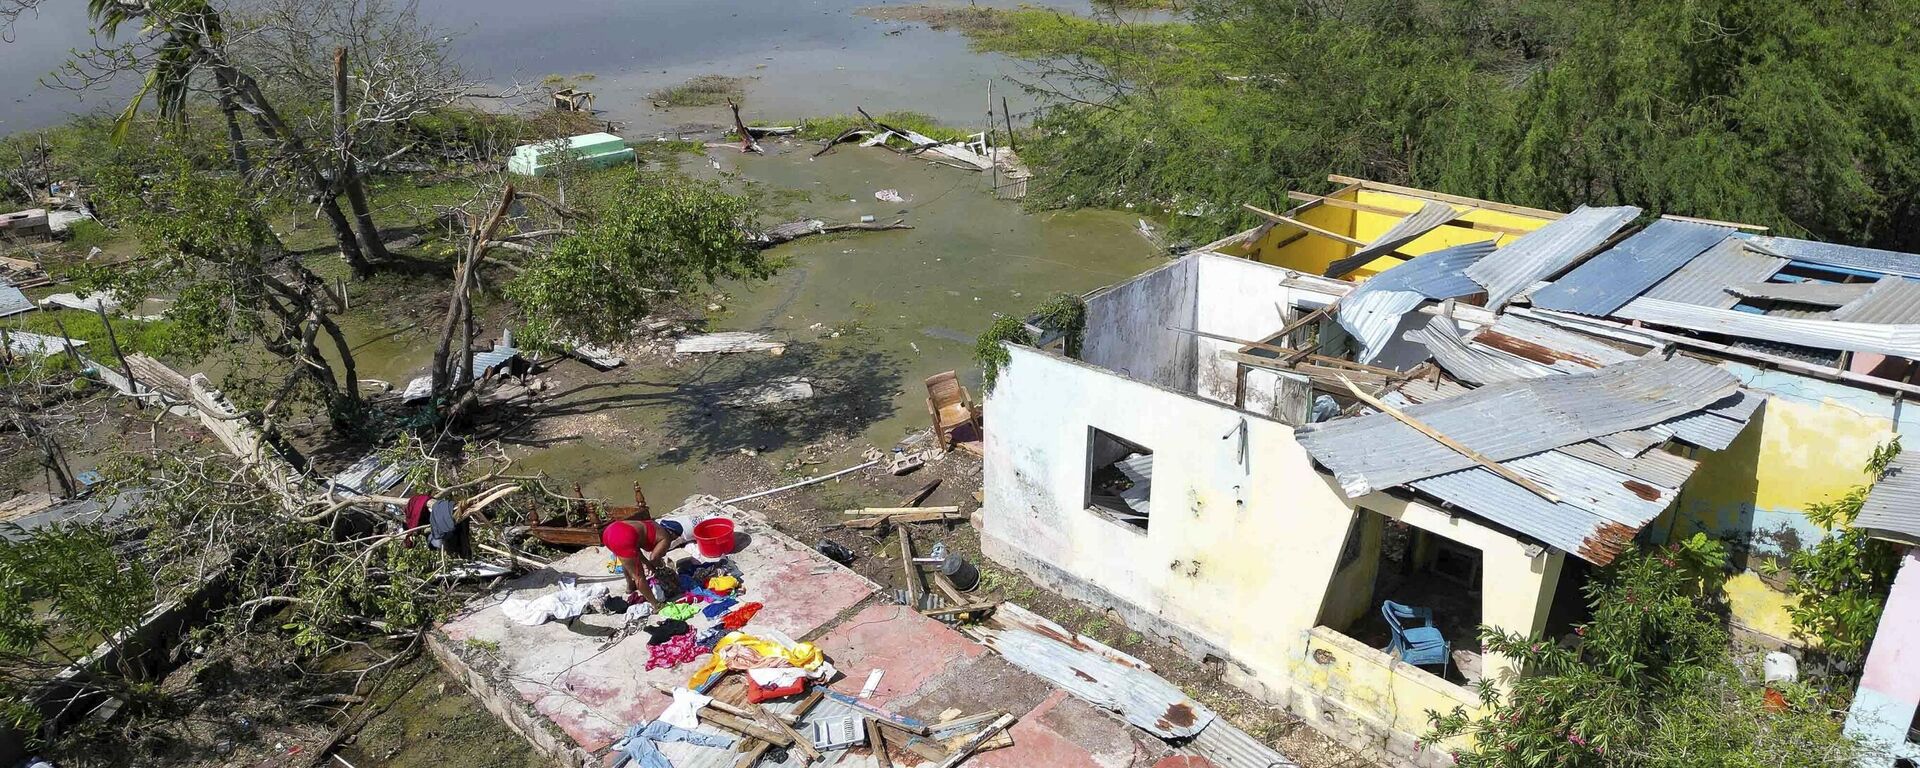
{"x":806,"y":57}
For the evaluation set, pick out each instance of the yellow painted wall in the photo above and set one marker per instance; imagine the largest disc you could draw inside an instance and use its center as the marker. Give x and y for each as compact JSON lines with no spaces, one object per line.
{"x":1372,"y":687}
{"x":1350,"y":591}
{"x":1809,"y":444}
{"x":1312,"y":253}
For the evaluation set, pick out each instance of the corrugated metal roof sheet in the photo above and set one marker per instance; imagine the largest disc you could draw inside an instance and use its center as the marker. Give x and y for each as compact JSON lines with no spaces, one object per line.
{"x":1225,"y":746}
{"x":1548,"y":344}
{"x":1809,"y":292}
{"x":1537,"y":255}
{"x":1143,"y":698}
{"x":1512,"y":419}
{"x":24,"y":343}
{"x":1470,"y":363}
{"x":1430,"y":216}
{"x":1704,"y":280}
{"x":1559,"y":525}
{"x":12,"y":301}
{"x":1901,"y":340}
{"x":1372,"y":311}
{"x":1603,"y":283}
{"x":486,"y":362}
{"x":1848,"y":256}
{"x":1891,"y":301}
{"x":1437,"y":275}
{"x":1892,"y":509}
{"x":1657,"y":467}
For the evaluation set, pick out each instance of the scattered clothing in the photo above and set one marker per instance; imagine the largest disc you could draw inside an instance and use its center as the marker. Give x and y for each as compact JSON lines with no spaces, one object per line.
{"x":713,"y":611}
{"x":740,"y":616}
{"x":741,"y":651}
{"x":639,"y":746}
{"x":444,"y":533}
{"x":665,"y":630}
{"x":673,"y":653}
{"x":708,"y":638}
{"x":638,"y":610}
{"x":565,"y":603}
{"x":681,"y":611}
{"x":416,"y":513}
{"x":722,"y":584}
{"x":685,"y":710}
{"x":774,"y":677}
{"x":614,"y":604}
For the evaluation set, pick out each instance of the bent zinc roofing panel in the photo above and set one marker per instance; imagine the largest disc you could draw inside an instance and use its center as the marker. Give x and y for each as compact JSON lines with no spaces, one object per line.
{"x":12,"y":301}
{"x":1704,"y":280}
{"x":1539,"y":254}
{"x":1892,"y":508}
{"x":1512,"y":419}
{"x":1430,"y":216}
{"x":1892,"y":301}
{"x":1372,"y":311}
{"x":1605,"y":282}
{"x":1846,"y":256}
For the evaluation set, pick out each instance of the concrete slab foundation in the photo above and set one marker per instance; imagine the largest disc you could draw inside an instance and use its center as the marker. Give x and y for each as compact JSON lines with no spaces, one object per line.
{"x":571,"y":699}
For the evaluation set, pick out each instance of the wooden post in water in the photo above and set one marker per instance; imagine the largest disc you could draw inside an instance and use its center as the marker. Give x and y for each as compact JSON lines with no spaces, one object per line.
{"x":987,"y":142}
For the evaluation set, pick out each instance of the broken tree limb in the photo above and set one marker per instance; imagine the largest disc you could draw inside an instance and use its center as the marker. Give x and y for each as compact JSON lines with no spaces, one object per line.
{"x":846,"y":135}
{"x":747,"y":143}
{"x":1478,"y":457}
{"x":794,"y":230}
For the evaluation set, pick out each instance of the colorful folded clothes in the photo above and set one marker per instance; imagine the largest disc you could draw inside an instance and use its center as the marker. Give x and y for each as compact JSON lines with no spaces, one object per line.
{"x":714,"y":610}
{"x":674,"y":652}
{"x":681,"y":611}
{"x":740,"y":616}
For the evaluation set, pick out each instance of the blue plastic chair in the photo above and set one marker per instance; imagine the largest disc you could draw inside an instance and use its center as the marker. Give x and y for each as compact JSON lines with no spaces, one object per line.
{"x":1420,"y":645}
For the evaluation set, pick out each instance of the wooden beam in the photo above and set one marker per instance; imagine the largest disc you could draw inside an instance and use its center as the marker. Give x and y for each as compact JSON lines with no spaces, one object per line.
{"x":1378,"y":186}
{"x":879,"y":740}
{"x":1438,"y":436}
{"x":744,"y":726}
{"x":914,"y":587}
{"x":1327,"y":233}
{"x":802,"y":743}
{"x":1713,"y":222}
{"x":1350,"y":205}
{"x":966,"y":750}
{"x":1244,"y":344}
{"x":886,"y":511}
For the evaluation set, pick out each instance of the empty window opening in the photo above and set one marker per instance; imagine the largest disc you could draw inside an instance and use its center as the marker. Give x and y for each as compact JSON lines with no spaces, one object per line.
{"x":1119,"y":478}
{"x":1408,"y":592}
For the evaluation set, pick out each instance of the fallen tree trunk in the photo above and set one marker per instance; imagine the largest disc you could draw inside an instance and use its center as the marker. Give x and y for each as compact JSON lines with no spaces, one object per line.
{"x":795,"y":230}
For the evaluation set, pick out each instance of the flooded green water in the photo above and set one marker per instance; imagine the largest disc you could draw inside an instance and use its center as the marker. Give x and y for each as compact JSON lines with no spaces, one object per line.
{"x":905,"y":304}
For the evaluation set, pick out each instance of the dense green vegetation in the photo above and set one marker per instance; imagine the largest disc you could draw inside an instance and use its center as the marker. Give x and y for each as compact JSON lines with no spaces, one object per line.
{"x":1650,"y":682}
{"x":1802,"y":116}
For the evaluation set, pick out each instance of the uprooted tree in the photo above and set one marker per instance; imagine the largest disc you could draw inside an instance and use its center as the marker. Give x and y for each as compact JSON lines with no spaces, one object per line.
{"x":319,"y":84}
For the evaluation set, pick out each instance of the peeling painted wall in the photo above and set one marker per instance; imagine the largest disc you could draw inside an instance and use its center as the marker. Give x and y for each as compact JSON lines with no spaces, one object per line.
{"x":1808,"y":444}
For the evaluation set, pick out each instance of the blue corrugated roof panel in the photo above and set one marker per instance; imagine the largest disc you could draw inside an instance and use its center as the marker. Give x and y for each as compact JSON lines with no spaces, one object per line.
{"x":1371,"y":312}
{"x":1852,"y":257}
{"x":1539,"y":254}
{"x":1608,"y":281}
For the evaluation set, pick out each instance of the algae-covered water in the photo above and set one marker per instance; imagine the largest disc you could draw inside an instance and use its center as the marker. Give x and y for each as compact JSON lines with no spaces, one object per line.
{"x":868,"y":316}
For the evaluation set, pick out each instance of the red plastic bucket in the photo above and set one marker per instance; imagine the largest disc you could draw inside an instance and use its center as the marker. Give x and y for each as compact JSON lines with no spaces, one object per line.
{"x":714,"y":536}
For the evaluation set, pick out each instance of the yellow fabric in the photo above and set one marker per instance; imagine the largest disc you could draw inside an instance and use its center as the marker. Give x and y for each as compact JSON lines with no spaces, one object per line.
{"x":722,"y":584}
{"x":805,"y":656}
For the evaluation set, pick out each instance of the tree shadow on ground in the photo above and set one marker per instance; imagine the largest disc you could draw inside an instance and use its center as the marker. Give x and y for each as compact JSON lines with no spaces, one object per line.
{"x":853,"y":387}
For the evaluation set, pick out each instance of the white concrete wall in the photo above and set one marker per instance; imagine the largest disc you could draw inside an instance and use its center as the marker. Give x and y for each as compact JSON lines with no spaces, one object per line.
{"x":1240,"y":299}
{"x":1127,"y":326}
{"x":1237,"y":556}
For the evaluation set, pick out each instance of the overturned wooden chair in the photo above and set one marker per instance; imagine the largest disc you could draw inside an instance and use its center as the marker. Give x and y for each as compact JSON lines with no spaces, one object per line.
{"x":950,"y":406}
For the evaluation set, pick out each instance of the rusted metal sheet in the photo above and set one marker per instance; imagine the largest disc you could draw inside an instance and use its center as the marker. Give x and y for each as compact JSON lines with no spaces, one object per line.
{"x":1100,"y":675}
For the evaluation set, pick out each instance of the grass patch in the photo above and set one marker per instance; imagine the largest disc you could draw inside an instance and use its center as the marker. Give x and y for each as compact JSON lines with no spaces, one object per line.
{"x":701,"y":91}
{"x":153,"y":338}
{"x":824,"y":128}
{"x":87,"y":234}
{"x":971,"y":20}
{"x":1143,"y":5}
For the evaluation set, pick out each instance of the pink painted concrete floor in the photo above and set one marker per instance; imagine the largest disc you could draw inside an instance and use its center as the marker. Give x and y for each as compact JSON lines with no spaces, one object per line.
{"x":591,"y":695}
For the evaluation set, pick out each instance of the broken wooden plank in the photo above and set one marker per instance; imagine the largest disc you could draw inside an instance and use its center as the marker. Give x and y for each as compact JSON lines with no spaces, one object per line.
{"x":960,"y":755}
{"x":1292,"y":222}
{"x":892,"y":511}
{"x":802,"y":743}
{"x":1334,"y":202}
{"x":949,"y":611}
{"x":921,"y":747}
{"x":914,"y":588}
{"x":879,"y":738}
{"x":746,"y":727}
{"x":727,"y":342}
{"x":1496,"y":467}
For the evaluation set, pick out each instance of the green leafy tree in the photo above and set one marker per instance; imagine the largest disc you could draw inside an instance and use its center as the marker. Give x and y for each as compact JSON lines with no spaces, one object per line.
{"x":63,"y":591}
{"x":1839,"y":584}
{"x":1648,"y":682}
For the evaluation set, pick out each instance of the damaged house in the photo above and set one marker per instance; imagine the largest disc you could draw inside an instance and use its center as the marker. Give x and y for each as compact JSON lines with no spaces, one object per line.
{"x":1321,"y":452}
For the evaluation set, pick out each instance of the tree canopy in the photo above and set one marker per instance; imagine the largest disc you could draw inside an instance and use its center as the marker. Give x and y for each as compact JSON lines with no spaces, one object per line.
{"x":1801,"y":116}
